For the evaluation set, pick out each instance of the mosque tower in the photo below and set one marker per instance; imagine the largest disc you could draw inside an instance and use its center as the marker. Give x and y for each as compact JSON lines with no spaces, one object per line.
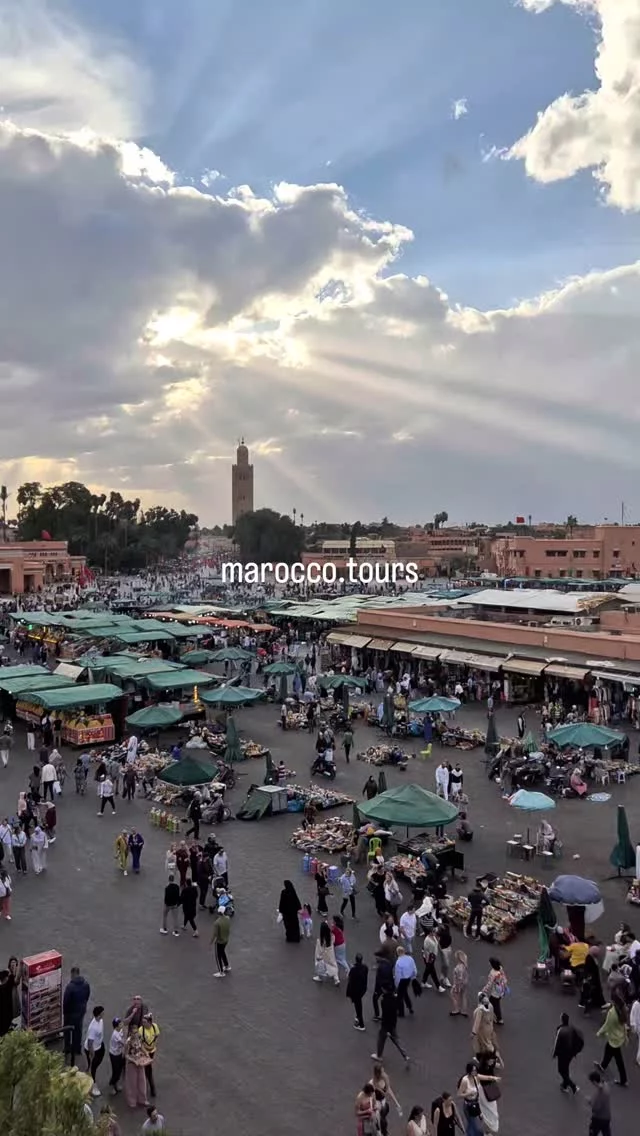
{"x":241,"y":484}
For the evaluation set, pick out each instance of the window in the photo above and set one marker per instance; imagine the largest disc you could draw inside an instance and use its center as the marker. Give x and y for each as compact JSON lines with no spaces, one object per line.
{"x":537,"y":574}
{"x":562,"y":573}
{"x":579,"y":573}
{"x":579,"y":554}
{"x":616,"y":553}
{"x":596,"y":575}
{"x":596,"y":554}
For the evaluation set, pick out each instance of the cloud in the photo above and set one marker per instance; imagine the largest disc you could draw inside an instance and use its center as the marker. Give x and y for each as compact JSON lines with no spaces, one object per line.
{"x":459,"y":108}
{"x":145,"y":325}
{"x":598,"y":129}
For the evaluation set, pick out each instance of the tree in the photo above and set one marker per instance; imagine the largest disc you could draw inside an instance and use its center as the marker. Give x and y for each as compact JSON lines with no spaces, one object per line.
{"x":571,"y":522}
{"x":265,"y":536}
{"x":34,"y":1097}
{"x":440,"y":519}
{"x":353,"y":538}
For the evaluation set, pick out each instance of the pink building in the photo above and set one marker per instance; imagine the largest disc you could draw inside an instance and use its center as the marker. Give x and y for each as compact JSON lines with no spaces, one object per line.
{"x":591,"y":553}
{"x":30,"y":565}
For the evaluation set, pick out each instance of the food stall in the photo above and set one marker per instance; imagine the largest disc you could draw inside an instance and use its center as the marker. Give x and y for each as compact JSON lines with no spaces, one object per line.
{"x":80,"y":708}
{"x":512,"y":900}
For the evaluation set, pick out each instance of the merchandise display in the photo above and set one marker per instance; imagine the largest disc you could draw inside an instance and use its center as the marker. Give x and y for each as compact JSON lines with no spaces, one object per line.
{"x":512,"y":900}
{"x":385,"y":755}
{"x":458,"y":738}
{"x":320,"y":797}
{"x":407,"y":862}
{"x":78,"y":728}
{"x":332,"y":835}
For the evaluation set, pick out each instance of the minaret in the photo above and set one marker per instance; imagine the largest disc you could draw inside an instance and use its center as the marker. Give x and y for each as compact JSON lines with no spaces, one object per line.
{"x":241,"y":484}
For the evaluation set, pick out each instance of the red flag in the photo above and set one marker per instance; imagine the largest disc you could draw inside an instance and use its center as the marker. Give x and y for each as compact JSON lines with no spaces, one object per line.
{"x":44,"y":535}
{"x":519,"y":520}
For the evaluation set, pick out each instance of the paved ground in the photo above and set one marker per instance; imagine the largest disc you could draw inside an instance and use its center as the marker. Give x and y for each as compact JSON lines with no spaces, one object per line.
{"x":267,"y":1050}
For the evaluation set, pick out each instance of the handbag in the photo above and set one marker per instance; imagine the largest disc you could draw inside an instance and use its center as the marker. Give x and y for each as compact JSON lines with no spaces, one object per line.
{"x":416,"y":987}
{"x":491,"y":1090}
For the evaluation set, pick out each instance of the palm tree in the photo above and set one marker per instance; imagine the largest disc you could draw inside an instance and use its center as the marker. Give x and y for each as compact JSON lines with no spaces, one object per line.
{"x":571,"y":523}
{"x":4,"y":496}
{"x":440,"y":519}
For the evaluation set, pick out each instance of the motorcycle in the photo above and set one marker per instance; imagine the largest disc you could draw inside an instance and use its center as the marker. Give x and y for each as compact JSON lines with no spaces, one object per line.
{"x":323,"y":768}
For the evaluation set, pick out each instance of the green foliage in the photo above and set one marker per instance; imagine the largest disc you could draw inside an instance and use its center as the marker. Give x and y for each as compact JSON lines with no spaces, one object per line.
{"x":112,"y":532}
{"x":34,"y":1099}
{"x":440,"y":519}
{"x":267,"y":536}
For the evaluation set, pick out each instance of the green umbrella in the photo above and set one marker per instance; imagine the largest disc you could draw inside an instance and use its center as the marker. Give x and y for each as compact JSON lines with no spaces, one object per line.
{"x":197,"y":657}
{"x":231,"y":655}
{"x":232,"y":752}
{"x":492,"y":741}
{"x":388,"y":712}
{"x":154,"y":717}
{"x":189,"y":771}
{"x":529,"y":743}
{"x":438,"y":704}
{"x":382,"y":782}
{"x":331,"y":681}
{"x":231,"y":696}
{"x":584,"y":735}
{"x":543,"y":941}
{"x":279,"y":669}
{"x":410,"y":806}
{"x":623,"y":855}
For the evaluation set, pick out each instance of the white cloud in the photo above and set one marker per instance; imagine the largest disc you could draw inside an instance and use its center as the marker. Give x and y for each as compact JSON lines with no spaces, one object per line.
{"x":145,"y":325}
{"x":459,"y":108}
{"x":599,"y":129}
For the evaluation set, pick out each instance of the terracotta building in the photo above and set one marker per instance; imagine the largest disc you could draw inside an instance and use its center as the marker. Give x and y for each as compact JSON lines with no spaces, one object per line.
{"x":31,"y":565}
{"x":591,"y":553}
{"x":241,"y":484}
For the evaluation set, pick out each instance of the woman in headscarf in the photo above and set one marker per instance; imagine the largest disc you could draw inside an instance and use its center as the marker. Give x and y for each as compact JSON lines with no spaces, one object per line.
{"x":325,"y":957}
{"x":135,"y":1081}
{"x":591,"y":996}
{"x":39,"y":845}
{"x":122,"y":851}
{"x":483,"y":1027}
{"x":288,"y":909}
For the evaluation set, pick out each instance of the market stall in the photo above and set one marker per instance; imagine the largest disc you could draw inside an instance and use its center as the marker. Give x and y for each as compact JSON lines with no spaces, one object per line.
{"x":512,"y":901}
{"x":409,"y":806}
{"x":385,"y":755}
{"x":256,"y":805}
{"x":442,"y":848}
{"x":335,"y":834}
{"x":85,"y":722}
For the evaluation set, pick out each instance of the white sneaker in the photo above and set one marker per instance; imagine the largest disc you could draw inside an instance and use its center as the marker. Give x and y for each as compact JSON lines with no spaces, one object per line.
{"x":219,"y":974}
{"x":316,"y":978}
{"x":125,"y":873}
{"x":95,"y":1092}
{"x":163,"y":932}
{"x":176,"y":934}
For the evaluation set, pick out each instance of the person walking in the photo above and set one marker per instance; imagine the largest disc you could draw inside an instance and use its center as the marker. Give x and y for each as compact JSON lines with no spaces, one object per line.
{"x":469,"y":1092}
{"x":339,"y":943}
{"x":483,"y":1033}
{"x":155,"y":1121}
{"x":347,"y":742}
{"x":459,"y":986}
{"x":6,"y":742}
{"x":221,"y":867}
{"x":388,"y":1025}
{"x":357,"y":983}
{"x":204,"y":875}
{"x":74,"y":1007}
{"x":129,"y":782}
{"x":5,"y":894}
{"x":392,"y":895}
{"x":136,"y":844}
{"x":324,"y":958}
{"x":496,"y":987}
{"x":122,"y":851}
{"x":322,"y":889}
{"x":348,"y":886}
{"x":189,"y":901}
{"x":116,"y":1054}
{"x":149,"y":1033}
{"x":442,"y":780}
{"x":429,"y":954}
{"x":405,"y":973}
{"x":383,"y":981}
{"x":171,"y":906}
{"x":220,"y":942}
{"x":48,"y":775}
{"x":477,"y":903}
{"x":39,"y":845}
{"x":408,"y":926}
{"x":614,"y":1030}
{"x":105,"y":794}
{"x":289,"y":908}
{"x":568,"y":1044}
{"x":445,"y":950}
{"x":94,"y":1046}
{"x":600,"y":1102}
{"x":6,"y":848}
{"x":195,"y":816}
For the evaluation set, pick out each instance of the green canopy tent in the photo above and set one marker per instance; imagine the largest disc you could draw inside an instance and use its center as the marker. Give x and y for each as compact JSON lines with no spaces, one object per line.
{"x":232,"y":655}
{"x":189,"y":771}
{"x":179,"y":679}
{"x":331,"y":681}
{"x":197,"y":657}
{"x":18,"y":687}
{"x":154,"y":718}
{"x":231,"y":696}
{"x":437,"y":704}
{"x":232,"y":753}
{"x":584,"y":735}
{"x":410,"y":806}
{"x":72,"y":697}
{"x":279,"y":669}
{"x":22,"y":669}
{"x":623,"y":856}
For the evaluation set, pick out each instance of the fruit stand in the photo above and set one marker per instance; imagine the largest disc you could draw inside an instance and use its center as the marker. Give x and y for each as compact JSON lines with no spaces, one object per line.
{"x":81,"y":710}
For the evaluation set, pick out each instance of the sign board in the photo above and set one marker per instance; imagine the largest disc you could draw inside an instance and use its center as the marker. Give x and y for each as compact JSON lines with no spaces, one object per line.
{"x":41,"y":992}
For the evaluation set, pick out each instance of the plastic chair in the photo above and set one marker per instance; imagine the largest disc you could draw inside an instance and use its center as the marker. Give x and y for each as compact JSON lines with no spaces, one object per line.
{"x":622,"y":777}
{"x":426,"y":752}
{"x":375,"y":847}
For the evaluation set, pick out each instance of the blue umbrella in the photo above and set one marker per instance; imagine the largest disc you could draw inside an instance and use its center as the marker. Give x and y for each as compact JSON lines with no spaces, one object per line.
{"x":574,"y":891}
{"x":532,"y":802}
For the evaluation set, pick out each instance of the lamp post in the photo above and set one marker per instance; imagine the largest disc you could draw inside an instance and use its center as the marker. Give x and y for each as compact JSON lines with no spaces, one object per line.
{"x":294,"y":514}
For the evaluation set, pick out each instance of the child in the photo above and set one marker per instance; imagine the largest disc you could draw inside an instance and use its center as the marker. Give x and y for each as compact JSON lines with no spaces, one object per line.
{"x":306,"y":921}
{"x":170,"y":860}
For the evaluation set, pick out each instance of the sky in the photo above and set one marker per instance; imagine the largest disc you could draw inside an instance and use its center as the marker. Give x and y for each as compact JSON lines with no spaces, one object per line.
{"x":396,"y":247}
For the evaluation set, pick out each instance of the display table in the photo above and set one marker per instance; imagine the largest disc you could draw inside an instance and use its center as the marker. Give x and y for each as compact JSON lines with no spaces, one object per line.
{"x":407,"y":862}
{"x":512,"y":900}
{"x":384,"y":755}
{"x":332,"y":835}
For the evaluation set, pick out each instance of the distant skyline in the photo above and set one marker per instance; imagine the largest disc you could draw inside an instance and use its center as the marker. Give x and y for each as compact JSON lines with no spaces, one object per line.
{"x":397,"y":249}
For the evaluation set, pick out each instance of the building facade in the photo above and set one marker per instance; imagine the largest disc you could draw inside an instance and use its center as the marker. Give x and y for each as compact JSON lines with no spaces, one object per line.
{"x":33,"y":565}
{"x":241,"y":484}
{"x":592,"y":553}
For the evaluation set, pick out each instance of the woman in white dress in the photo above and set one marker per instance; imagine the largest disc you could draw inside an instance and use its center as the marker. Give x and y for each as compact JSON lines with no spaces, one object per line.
{"x":325,"y":965}
{"x":39,"y":845}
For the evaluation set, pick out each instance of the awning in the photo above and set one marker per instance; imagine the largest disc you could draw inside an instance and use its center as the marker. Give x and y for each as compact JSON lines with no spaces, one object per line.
{"x":456,"y":657}
{"x":563,"y":670}
{"x":485,"y":662}
{"x":524,"y":666}
{"x":380,"y":644}
{"x":613,"y":676}
{"x":424,"y":652}
{"x":69,"y":670}
{"x":347,"y":640}
{"x":403,"y":648}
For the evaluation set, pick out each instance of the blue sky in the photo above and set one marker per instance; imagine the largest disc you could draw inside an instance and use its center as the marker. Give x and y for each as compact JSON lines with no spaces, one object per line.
{"x":269,"y":92}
